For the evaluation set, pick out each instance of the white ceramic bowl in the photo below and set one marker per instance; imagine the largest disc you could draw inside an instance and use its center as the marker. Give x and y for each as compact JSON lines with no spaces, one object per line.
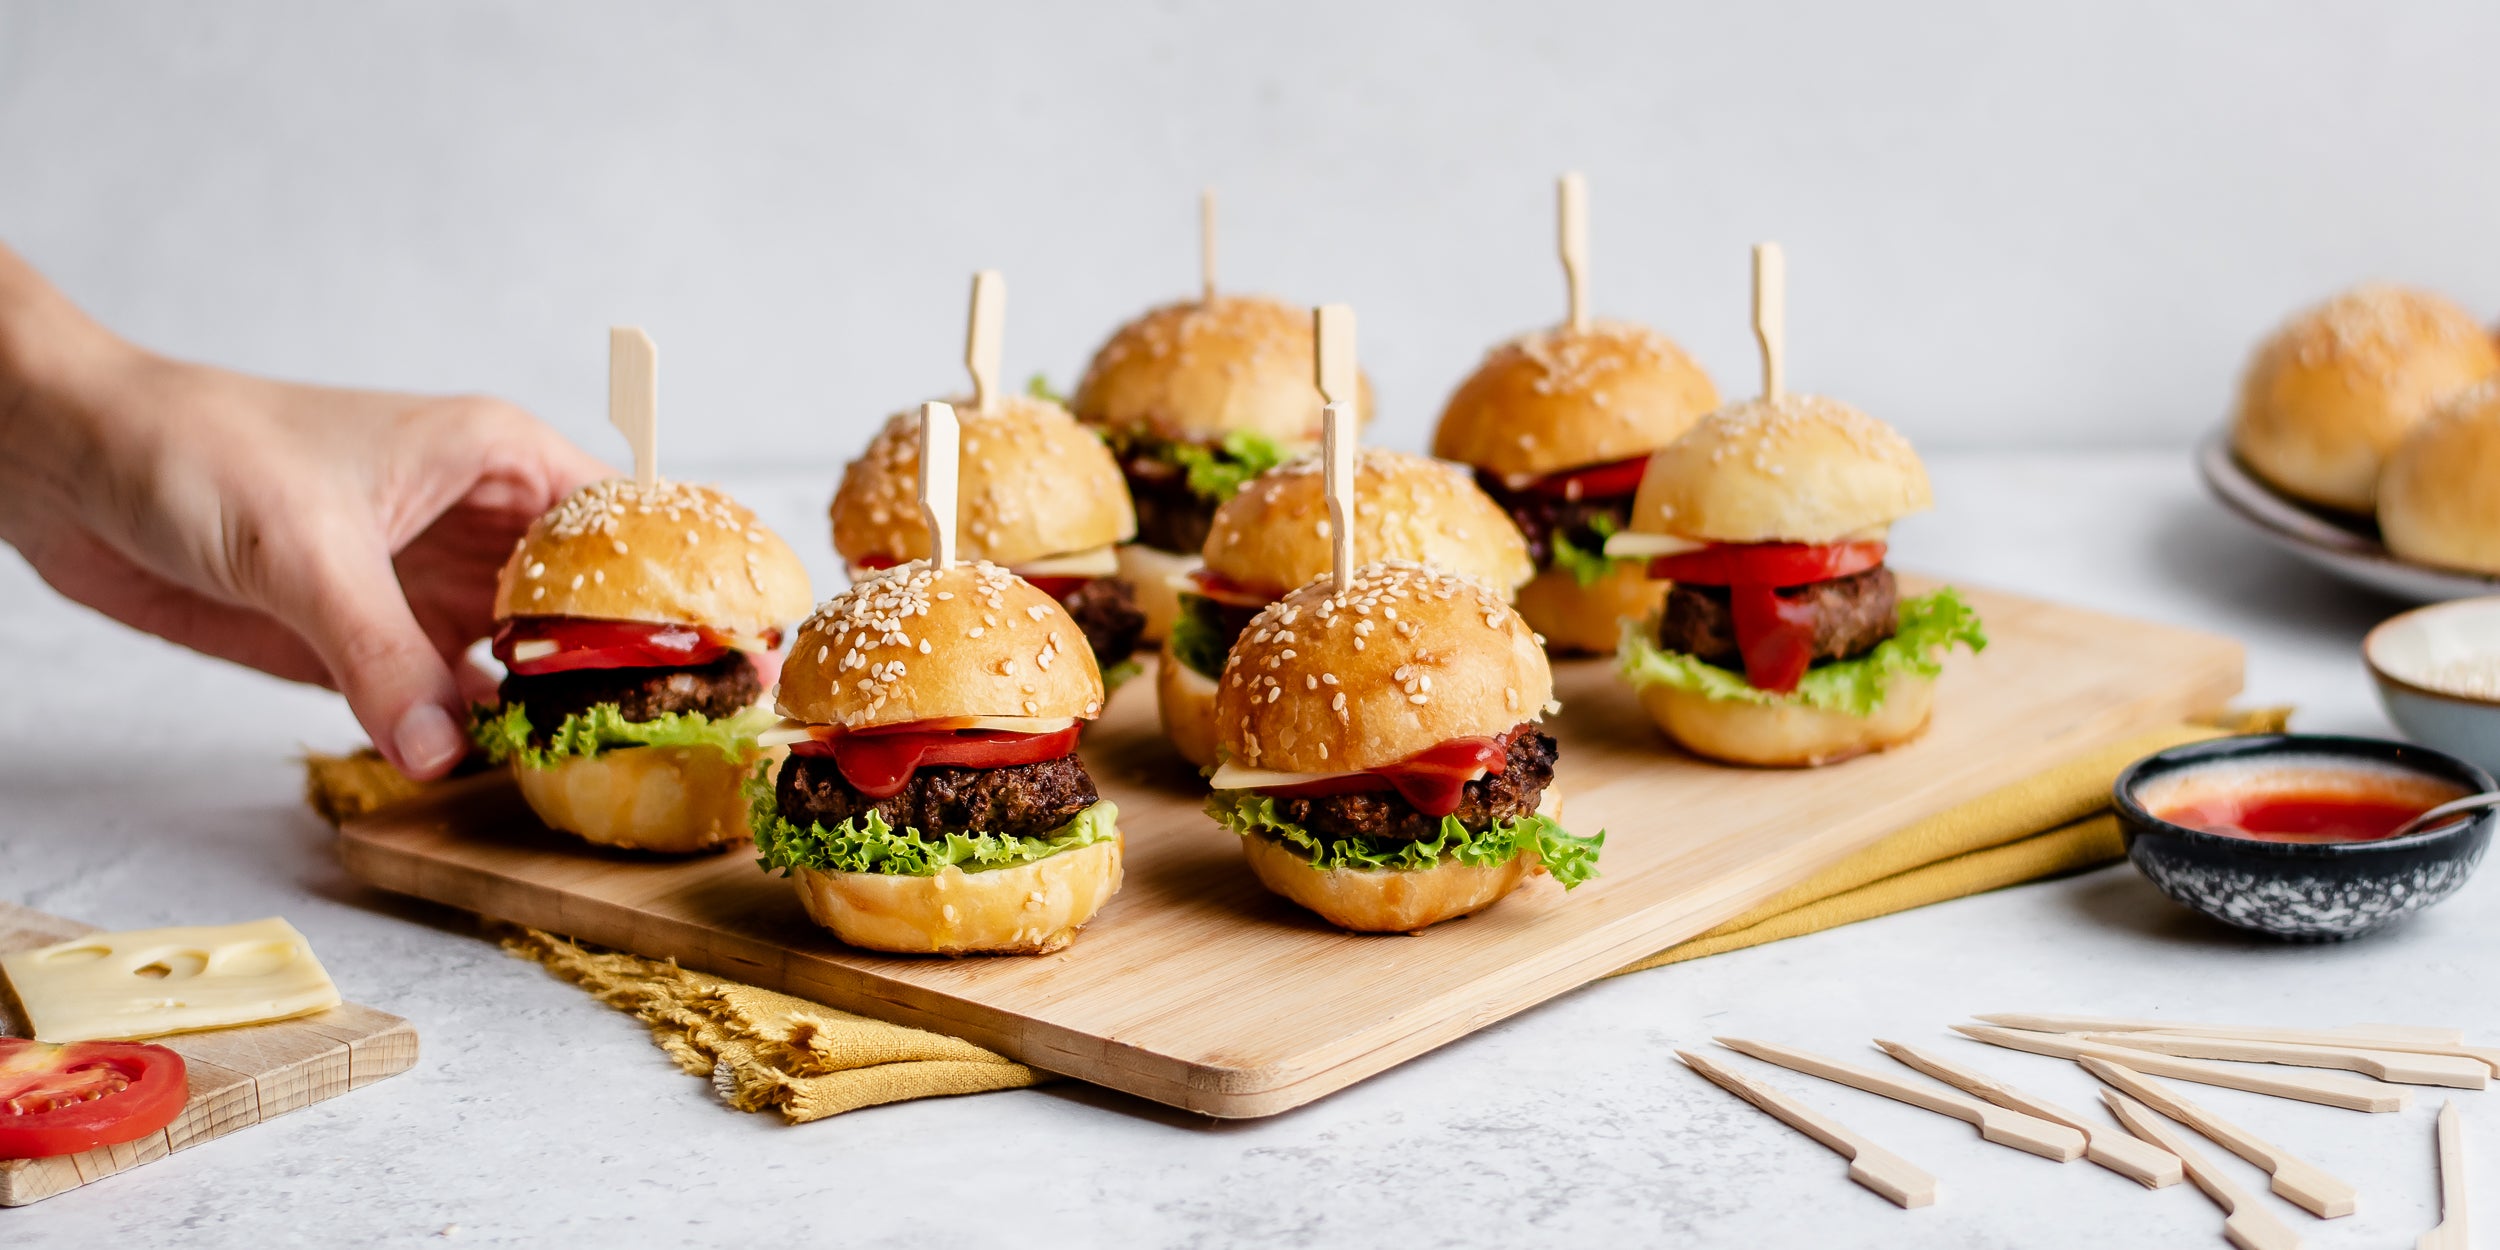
{"x":2415,"y":658}
{"x":2347,"y":546}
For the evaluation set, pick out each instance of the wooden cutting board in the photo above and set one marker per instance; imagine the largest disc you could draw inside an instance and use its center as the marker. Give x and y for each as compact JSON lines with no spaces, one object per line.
{"x":1197,"y":988}
{"x":239,"y":1077}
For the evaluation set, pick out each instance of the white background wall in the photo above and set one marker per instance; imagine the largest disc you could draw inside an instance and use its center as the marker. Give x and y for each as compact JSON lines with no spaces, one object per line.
{"x":2007,"y":223}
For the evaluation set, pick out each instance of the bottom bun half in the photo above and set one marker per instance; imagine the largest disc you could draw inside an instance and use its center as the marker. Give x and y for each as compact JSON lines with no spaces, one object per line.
{"x":673,"y":799}
{"x":1391,"y":900}
{"x":1149,"y":572}
{"x":1186,"y":699}
{"x":1783,"y":736}
{"x":1030,"y":909}
{"x":1582,"y":620}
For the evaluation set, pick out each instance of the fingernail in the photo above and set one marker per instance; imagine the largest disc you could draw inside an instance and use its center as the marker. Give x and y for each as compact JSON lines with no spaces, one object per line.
{"x":428,"y":741}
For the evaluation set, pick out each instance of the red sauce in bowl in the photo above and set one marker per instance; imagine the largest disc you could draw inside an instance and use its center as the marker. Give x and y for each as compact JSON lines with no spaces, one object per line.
{"x":2297,"y":816}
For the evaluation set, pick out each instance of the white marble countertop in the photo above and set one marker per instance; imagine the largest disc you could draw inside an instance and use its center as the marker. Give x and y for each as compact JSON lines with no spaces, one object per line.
{"x":142,"y":785}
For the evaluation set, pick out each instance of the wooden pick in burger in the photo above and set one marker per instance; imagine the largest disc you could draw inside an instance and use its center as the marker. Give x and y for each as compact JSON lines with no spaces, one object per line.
{"x":1206,"y":245}
{"x":1770,"y":316}
{"x":633,"y":398}
{"x":938,"y":465}
{"x":981,"y":346}
{"x":1332,"y":329}
{"x":1572,"y":212}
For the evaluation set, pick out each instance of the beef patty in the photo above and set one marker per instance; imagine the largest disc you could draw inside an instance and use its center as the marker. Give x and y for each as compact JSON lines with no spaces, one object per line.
{"x":1540,"y":517}
{"x":1106,"y":610}
{"x":1851,"y":615}
{"x":1169,"y":514}
{"x":1022,"y":800}
{"x":724,"y":687}
{"x":1495,"y":797}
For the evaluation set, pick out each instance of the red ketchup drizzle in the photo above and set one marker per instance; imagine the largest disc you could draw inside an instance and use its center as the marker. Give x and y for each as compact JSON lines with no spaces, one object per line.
{"x":879,"y":762}
{"x":1775,"y":635}
{"x":1433,"y":779}
{"x":2297,"y":816}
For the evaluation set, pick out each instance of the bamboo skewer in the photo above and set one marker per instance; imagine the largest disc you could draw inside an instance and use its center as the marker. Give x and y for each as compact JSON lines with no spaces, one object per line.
{"x":2350,"y":1093}
{"x":634,"y":398}
{"x":2131,"y":1157}
{"x":1332,"y":331}
{"x":2307,"y":1185}
{"x":939,"y":463}
{"x":2404,"y":1039}
{"x":981,"y":339}
{"x":1206,"y":245}
{"x":2455,"y":1071}
{"x":1901,"y":1182}
{"x":1770,"y":317}
{"x":2020,"y":1130}
{"x":1572,"y":217}
{"x":2452,"y":1231}
{"x":2247,"y":1225}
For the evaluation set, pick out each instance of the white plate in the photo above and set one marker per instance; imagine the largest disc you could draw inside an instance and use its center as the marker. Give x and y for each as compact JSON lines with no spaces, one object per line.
{"x":2343,"y":545}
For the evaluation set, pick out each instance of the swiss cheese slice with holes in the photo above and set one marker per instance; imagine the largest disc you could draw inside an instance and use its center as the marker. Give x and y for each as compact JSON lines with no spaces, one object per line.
{"x":149,"y":982}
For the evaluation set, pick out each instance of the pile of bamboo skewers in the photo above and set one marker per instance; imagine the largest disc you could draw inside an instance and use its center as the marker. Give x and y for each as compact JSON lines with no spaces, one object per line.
{"x":2130,"y":1058}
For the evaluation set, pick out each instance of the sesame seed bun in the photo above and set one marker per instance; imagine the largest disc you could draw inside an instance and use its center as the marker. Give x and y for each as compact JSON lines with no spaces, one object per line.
{"x":671,"y":799}
{"x":1562,"y":399}
{"x":1391,"y":900}
{"x":2437,"y":503}
{"x":1195,"y":371}
{"x":2328,"y":397}
{"x":1587,"y":620}
{"x":1029,"y":909}
{"x":1407,"y":658}
{"x":1803,"y":469}
{"x":1273,"y":535}
{"x":1032,"y":483}
{"x":675,"y":554}
{"x":1784,"y":735}
{"x":910,"y":643}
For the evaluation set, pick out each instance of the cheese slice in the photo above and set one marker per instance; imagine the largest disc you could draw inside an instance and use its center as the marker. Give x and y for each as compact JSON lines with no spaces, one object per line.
{"x":1099,"y":562}
{"x":790,"y":732}
{"x":1231,"y":776}
{"x":149,"y":982}
{"x":1635,"y":543}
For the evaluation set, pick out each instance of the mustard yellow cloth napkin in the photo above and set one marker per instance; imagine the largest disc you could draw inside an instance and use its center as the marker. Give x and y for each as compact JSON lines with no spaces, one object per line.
{"x":765,"y":1050}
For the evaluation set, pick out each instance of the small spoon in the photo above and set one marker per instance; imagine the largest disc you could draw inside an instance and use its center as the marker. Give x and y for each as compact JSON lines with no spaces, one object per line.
{"x":2440,"y":815}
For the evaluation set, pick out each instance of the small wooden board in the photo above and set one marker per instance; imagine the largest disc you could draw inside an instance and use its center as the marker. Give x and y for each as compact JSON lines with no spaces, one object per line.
{"x":239,"y":1077}
{"x":1195,"y":987}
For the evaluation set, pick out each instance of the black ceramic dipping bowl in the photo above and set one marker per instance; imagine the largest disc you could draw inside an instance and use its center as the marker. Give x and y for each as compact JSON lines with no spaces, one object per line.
{"x":2299,"y":891}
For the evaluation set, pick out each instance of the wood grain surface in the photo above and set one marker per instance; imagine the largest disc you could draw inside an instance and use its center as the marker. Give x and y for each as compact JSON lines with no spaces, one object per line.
{"x":239,"y":1077}
{"x":1195,"y":987}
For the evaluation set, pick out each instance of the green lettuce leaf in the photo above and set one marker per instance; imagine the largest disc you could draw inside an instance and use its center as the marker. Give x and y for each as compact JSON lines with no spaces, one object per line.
{"x":874,"y":846}
{"x":1930,"y":625}
{"x":1218,"y":473}
{"x":504,"y":733}
{"x":1569,"y":858}
{"x":1198,"y":636}
{"x":1119,"y":674}
{"x":1589,"y":567}
{"x":1038,"y":386}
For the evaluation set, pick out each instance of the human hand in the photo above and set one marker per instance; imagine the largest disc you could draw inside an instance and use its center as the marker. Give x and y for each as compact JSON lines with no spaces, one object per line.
{"x":349,"y":538}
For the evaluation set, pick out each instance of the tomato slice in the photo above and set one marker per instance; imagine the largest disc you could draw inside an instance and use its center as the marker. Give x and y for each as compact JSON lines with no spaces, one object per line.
{"x":1058,"y":587}
{"x":579,"y":643}
{"x":59,"y":1100}
{"x":1768,"y":564}
{"x":1597,"y":481}
{"x":1433,"y":779}
{"x":1225,"y":590}
{"x":879,"y":762}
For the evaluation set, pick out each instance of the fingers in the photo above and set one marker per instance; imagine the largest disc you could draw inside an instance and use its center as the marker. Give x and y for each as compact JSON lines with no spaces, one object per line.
{"x":349,"y":606}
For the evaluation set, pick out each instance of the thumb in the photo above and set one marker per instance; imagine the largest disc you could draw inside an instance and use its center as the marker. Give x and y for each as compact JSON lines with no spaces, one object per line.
{"x":352,"y":610}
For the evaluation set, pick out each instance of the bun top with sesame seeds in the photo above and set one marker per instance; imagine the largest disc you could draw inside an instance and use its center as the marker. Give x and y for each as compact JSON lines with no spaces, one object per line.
{"x":1406,"y":658}
{"x":2328,"y":397}
{"x":1195,"y":371}
{"x":1032,"y":483}
{"x":672,"y":554}
{"x":1799,"y":469}
{"x":910,"y":643}
{"x":1274,"y":534}
{"x":1561,"y":399}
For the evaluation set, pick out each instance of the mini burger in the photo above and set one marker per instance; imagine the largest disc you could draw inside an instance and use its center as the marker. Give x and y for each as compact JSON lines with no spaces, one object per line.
{"x":1558,"y":425}
{"x":1784,"y":640}
{"x":630,"y":620}
{"x":1383,"y":760}
{"x":933,"y":801}
{"x":1273,"y":537}
{"x":1040,"y":496}
{"x":1196,"y":399}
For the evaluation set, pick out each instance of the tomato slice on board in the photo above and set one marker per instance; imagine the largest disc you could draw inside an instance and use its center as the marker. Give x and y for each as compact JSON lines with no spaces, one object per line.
{"x":1597,"y":481}
{"x":582,"y":643}
{"x":1433,"y":779}
{"x":59,"y":1100}
{"x":1767,"y":564}
{"x":879,"y":762}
